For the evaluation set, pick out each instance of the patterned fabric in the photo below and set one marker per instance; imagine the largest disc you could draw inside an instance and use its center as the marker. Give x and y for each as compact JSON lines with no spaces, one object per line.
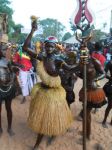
{"x":23,"y":59}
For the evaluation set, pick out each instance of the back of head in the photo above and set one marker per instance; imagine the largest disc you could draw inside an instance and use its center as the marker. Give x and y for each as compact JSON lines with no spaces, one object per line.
{"x":98,"y":46}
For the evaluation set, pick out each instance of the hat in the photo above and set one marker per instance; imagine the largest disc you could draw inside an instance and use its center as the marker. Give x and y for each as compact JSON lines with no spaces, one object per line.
{"x":51,"y":39}
{"x":4,"y":38}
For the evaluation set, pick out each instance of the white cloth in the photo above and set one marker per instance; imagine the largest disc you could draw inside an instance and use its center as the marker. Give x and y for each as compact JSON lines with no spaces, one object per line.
{"x":26,"y":82}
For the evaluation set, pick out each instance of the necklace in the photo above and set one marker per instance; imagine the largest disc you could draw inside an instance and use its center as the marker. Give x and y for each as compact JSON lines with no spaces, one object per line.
{"x":5,"y":91}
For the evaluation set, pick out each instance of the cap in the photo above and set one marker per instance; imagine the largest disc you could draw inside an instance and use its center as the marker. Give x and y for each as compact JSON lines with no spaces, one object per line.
{"x":51,"y":39}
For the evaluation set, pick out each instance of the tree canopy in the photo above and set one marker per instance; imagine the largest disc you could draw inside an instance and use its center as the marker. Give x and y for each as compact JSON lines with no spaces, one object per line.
{"x":51,"y":27}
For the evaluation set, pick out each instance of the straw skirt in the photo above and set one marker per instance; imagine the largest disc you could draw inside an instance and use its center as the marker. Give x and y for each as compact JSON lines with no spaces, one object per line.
{"x":95,"y":98}
{"x":49,"y":113}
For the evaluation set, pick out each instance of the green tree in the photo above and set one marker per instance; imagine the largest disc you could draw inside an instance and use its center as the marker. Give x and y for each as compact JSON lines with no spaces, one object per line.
{"x":16,"y":35}
{"x":66,"y":36}
{"x":98,"y":34}
{"x":5,"y":8}
{"x":51,"y":27}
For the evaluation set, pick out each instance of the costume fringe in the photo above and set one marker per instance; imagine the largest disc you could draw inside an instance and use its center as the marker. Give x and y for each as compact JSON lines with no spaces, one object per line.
{"x":95,"y":96}
{"x":49,"y":112}
{"x":46,"y":78}
{"x":34,"y":90}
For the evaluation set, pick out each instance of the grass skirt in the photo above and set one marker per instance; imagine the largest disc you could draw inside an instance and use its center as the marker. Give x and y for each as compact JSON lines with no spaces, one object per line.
{"x":49,"y":113}
{"x":95,"y":98}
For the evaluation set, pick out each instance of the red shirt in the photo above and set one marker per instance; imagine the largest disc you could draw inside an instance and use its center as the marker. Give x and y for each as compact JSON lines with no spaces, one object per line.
{"x":99,"y":57}
{"x":23,"y":60}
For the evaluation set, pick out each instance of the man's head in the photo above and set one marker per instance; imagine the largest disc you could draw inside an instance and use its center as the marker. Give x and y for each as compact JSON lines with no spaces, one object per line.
{"x":50,"y":44}
{"x":98,"y":46}
{"x":71,"y":58}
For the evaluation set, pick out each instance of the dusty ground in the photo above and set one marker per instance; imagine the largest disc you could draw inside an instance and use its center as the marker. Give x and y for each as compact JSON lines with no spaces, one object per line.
{"x":24,"y":138}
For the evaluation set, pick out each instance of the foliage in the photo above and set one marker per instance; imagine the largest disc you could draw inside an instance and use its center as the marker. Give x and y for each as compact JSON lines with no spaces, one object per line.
{"x":14,"y":30}
{"x":66,"y":36}
{"x":51,"y":27}
{"x":5,"y":8}
{"x":98,"y":34}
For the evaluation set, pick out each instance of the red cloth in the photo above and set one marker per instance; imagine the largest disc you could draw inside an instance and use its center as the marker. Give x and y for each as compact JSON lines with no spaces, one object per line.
{"x":99,"y":57}
{"x":24,"y":60}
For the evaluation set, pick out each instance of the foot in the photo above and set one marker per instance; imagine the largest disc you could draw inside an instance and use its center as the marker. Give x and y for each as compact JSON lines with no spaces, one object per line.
{"x":1,"y":131}
{"x":79,"y":118}
{"x":23,"y":101}
{"x":104,"y":125}
{"x":10,"y":132}
{"x":50,"y":140}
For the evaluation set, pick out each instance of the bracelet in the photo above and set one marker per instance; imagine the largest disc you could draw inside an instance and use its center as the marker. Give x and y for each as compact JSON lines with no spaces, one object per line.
{"x":62,"y":64}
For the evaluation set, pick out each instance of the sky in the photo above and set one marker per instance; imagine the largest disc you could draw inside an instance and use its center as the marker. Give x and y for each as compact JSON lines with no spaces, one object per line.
{"x":62,"y":10}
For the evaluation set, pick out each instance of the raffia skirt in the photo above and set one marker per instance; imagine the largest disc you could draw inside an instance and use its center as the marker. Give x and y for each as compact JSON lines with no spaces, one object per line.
{"x":49,"y":113}
{"x":95,"y":98}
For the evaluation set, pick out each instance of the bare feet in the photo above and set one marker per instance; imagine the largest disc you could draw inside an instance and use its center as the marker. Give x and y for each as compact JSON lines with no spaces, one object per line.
{"x":23,"y":100}
{"x":79,"y":118}
{"x":10,"y":132}
{"x":50,"y":140}
{"x":104,"y":125}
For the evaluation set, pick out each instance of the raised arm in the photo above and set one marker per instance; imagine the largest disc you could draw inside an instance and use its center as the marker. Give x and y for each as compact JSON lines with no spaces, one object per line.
{"x":28,"y":41}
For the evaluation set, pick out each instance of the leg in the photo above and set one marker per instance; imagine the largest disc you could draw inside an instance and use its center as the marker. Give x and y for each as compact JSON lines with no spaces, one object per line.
{"x":23,"y":100}
{"x":0,"y":119}
{"x":50,"y":140}
{"x":109,"y":107}
{"x":38,"y":141}
{"x":88,"y":127}
{"x":80,"y":116}
{"x":111,"y":122}
{"x":9,"y":116}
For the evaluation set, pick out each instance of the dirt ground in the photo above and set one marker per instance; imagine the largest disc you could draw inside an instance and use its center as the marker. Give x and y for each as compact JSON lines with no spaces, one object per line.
{"x":24,"y":138}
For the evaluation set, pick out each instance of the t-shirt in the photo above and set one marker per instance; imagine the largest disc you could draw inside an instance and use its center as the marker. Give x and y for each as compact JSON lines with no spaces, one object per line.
{"x":99,"y":57}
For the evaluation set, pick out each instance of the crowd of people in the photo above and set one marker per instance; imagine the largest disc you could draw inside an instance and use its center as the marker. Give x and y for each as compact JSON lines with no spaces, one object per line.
{"x":58,"y":67}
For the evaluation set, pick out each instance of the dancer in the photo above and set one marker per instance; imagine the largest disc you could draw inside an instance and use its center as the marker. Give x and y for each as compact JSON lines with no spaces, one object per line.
{"x":69,"y":78}
{"x":108,"y":91}
{"x":49,"y":113}
{"x":95,"y":95}
{"x":7,"y":86}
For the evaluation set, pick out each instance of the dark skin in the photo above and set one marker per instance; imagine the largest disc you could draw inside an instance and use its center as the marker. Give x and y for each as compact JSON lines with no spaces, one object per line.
{"x":4,"y":81}
{"x":109,"y":97}
{"x":68,"y":78}
{"x":93,"y":67}
{"x":49,"y":64}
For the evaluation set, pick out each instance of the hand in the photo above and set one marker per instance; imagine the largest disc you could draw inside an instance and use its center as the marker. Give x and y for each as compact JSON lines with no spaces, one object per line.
{"x":34,"y":25}
{"x":58,"y":62}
